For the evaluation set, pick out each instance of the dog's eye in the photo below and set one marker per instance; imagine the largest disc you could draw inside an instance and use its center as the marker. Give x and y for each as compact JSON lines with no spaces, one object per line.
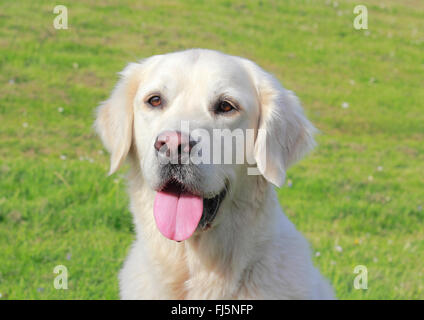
{"x":155,"y":101}
{"x":224,"y":107}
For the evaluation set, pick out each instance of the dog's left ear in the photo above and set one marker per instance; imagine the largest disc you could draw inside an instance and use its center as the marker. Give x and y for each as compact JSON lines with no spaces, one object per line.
{"x":114,"y":121}
{"x":285,"y":135}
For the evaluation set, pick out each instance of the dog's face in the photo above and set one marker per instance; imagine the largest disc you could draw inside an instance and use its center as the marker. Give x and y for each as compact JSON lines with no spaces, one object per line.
{"x":173,"y":110}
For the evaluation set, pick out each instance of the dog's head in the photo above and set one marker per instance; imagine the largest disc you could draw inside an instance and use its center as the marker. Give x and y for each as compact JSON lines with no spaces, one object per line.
{"x":196,"y":121}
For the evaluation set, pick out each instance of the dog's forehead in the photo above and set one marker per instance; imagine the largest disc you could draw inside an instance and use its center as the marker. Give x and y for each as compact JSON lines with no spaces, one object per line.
{"x":205,"y":69}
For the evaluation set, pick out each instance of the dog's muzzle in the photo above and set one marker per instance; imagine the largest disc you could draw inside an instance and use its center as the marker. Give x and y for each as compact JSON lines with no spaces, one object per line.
{"x":180,"y":207}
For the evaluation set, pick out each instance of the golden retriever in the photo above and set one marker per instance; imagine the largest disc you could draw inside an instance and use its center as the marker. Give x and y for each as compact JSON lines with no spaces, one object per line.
{"x":209,"y":229}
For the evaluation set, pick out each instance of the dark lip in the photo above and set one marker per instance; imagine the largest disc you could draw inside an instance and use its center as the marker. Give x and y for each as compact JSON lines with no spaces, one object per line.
{"x":210,"y":205}
{"x":176,"y":185}
{"x":210,"y":209}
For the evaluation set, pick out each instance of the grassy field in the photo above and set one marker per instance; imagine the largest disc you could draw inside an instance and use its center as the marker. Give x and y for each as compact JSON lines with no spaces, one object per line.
{"x":358,"y":197}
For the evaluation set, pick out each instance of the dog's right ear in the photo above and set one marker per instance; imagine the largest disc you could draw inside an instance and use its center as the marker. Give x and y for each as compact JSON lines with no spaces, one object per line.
{"x":114,"y":120}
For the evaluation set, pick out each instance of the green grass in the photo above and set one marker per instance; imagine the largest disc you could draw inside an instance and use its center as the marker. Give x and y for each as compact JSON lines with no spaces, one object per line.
{"x":56,"y":210}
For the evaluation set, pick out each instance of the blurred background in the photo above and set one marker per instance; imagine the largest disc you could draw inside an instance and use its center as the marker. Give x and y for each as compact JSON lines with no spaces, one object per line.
{"x":358,"y":197}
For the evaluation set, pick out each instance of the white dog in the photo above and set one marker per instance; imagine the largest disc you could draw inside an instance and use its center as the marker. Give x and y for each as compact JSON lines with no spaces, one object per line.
{"x":208,"y":231}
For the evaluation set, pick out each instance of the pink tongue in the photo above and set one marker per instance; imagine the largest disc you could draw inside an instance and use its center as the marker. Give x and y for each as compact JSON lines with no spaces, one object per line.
{"x":177,"y":214}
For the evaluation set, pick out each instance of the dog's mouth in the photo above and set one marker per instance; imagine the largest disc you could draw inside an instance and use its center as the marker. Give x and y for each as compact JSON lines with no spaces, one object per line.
{"x":179,"y":212}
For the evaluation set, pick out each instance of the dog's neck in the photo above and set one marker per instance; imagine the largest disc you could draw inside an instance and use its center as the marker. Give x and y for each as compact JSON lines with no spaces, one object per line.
{"x":216,"y":255}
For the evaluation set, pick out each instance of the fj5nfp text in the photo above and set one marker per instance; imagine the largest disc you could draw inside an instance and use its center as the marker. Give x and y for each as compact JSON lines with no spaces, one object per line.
{"x":227,"y":309}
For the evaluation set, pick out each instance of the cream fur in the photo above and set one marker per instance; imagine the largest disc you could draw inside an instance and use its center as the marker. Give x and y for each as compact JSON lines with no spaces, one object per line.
{"x":252,"y":250}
